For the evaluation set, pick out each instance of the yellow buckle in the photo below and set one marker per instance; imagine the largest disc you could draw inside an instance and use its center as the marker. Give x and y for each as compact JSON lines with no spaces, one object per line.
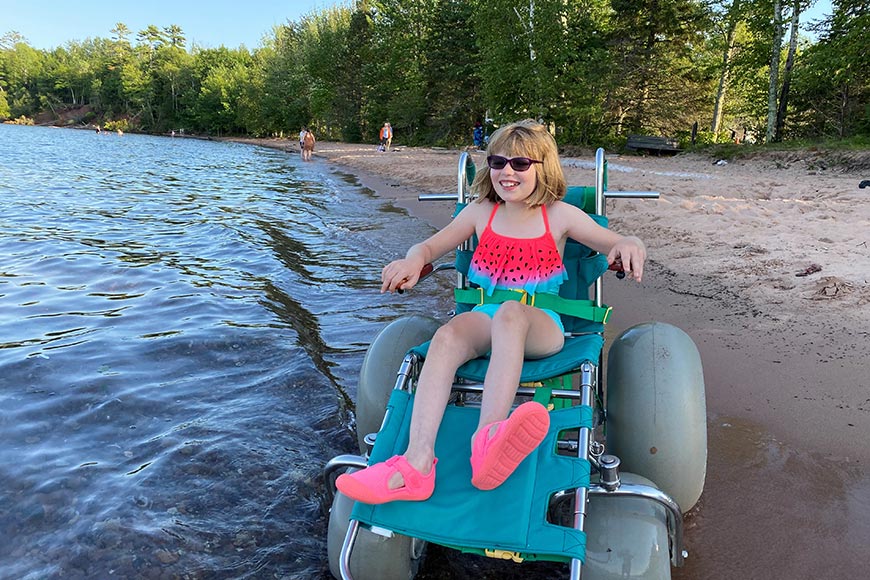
{"x":480,"y":300}
{"x":607,"y":315}
{"x":525,"y":298}
{"x":503,"y":555}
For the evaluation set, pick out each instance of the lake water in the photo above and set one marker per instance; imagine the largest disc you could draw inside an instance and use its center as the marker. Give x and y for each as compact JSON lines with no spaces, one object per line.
{"x":181,"y":327}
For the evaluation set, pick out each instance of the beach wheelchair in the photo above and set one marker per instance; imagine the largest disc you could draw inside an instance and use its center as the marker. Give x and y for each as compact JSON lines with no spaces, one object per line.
{"x":605,"y":491}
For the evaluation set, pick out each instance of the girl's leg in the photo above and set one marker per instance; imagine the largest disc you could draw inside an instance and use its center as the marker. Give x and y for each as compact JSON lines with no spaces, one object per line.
{"x":518,"y":332}
{"x":499,"y":444}
{"x":465,"y":337}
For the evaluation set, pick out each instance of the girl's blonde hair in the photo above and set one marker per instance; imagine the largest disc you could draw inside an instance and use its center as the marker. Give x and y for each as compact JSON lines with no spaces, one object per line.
{"x":526,"y":138}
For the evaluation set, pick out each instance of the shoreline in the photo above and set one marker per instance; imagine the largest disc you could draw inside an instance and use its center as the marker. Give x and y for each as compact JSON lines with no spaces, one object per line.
{"x":787,"y":399}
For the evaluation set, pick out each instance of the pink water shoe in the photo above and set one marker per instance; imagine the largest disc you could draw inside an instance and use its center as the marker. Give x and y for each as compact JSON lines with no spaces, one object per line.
{"x":494,"y":458}
{"x":372,"y":484}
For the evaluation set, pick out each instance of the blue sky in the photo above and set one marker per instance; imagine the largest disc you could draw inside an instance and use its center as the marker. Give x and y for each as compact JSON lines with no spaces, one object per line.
{"x":47,"y":24}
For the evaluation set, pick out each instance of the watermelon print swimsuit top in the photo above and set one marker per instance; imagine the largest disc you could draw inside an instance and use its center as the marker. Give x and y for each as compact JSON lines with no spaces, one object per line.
{"x":530,"y":264}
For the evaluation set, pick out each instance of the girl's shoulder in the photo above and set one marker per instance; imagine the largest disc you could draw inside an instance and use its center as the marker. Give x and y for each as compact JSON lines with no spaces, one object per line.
{"x":559,"y":205}
{"x":563,"y":217}
{"x":478,"y":212}
{"x":564,"y":208}
{"x":561,"y":210}
{"x":480,"y":206}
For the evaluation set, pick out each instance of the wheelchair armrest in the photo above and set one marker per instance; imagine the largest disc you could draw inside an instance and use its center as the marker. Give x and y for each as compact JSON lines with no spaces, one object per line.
{"x":428,"y":270}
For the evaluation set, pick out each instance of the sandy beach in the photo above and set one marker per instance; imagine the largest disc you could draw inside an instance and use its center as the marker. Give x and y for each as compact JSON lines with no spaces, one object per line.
{"x":763,"y":262}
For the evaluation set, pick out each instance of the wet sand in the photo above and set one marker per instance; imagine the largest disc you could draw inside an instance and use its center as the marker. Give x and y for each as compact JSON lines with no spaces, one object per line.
{"x":787,"y":493}
{"x":788,"y":397}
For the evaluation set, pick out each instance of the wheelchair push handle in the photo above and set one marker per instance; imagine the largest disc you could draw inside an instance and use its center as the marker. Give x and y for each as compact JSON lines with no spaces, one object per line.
{"x":426,"y":270}
{"x":424,"y":273}
{"x":617,"y":267}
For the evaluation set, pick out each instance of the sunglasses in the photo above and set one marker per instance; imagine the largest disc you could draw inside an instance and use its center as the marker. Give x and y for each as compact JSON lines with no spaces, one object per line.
{"x":516,"y":163}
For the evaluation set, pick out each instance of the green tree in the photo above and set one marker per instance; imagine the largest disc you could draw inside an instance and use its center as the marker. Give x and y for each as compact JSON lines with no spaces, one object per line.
{"x":593,"y":70}
{"x":453,"y":85}
{"x":136,"y":89}
{"x":170,"y":66}
{"x":727,"y":28}
{"x":399,"y":59}
{"x":117,"y":54}
{"x":832,"y":88}
{"x":510,"y":70}
{"x":71,"y":72}
{"x":220,"y":97}
{"x":584,"y":78}
{"x":5,"y":112}
{"x":21,"y":69}
{"x":174,"y":36}
{"x":121,"y":32}
{"x":782,"y":104}
{"x":356,"y":54}
{"x":658,"y":47}
{"x":284,"y":81}
{"x":223,"y":78}
{"x":325,"y":42}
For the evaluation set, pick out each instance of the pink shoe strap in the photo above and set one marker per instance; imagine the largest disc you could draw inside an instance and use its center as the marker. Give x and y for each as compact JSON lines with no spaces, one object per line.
{"x":412,"y":477}
{"x":483,"y":438}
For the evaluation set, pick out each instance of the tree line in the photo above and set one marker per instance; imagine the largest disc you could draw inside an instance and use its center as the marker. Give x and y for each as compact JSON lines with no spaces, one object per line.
{"x":594,"y":70}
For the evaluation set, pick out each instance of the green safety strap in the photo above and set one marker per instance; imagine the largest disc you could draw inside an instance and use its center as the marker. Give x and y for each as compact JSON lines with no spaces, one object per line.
{"x":543,"y":395}
{"x":585,"y":309}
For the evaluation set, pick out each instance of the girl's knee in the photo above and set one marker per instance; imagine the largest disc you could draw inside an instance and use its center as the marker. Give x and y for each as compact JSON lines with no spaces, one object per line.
{"x":444,"y":334}
{"x":447,"y":336}
{"x":462,"y":341}
{"x":510,"y":313}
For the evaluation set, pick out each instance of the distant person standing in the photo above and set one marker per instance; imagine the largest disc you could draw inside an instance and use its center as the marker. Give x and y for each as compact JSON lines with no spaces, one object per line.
{"x":478,"y":135}
{"x":308,"y":142}
{"x":386,"y":137}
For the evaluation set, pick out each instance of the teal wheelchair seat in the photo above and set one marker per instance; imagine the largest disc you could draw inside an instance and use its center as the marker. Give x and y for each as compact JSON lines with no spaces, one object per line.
{"x":577,"y":349}
{"x":512,"y":517}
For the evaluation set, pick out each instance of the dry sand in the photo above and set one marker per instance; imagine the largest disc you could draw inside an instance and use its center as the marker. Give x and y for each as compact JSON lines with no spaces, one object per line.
{"x":788,"y":393}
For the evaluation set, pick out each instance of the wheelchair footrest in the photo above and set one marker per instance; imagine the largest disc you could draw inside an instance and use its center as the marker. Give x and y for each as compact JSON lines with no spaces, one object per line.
{"x":511,"y":518}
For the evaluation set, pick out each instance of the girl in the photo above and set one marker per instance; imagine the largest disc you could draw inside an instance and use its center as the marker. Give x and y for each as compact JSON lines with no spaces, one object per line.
{"x":518,"y":212}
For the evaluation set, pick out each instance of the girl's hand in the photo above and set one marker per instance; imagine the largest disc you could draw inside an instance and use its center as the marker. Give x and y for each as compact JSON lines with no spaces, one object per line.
{"x":631,"y":251}
{"x":400,"y":275}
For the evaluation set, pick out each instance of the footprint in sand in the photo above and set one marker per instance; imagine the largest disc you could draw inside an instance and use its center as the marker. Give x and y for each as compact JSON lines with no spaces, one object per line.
{"x":830,"y":288}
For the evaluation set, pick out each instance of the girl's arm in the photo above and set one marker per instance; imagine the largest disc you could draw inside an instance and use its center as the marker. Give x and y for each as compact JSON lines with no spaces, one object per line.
{"x":582,"y":228}
{"x":403,"y":274}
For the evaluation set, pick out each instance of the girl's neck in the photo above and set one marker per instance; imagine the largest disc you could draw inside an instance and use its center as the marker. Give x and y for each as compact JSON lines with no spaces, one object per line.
{"x":518,"y":220}
{"x":519,"y":209}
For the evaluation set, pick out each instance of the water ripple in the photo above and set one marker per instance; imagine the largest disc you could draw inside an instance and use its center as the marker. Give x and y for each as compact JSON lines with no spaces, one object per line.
{"x":181,"y":324}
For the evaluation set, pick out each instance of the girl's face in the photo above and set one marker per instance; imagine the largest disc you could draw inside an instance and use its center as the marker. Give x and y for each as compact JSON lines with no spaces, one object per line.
{"x":513,"y":185}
